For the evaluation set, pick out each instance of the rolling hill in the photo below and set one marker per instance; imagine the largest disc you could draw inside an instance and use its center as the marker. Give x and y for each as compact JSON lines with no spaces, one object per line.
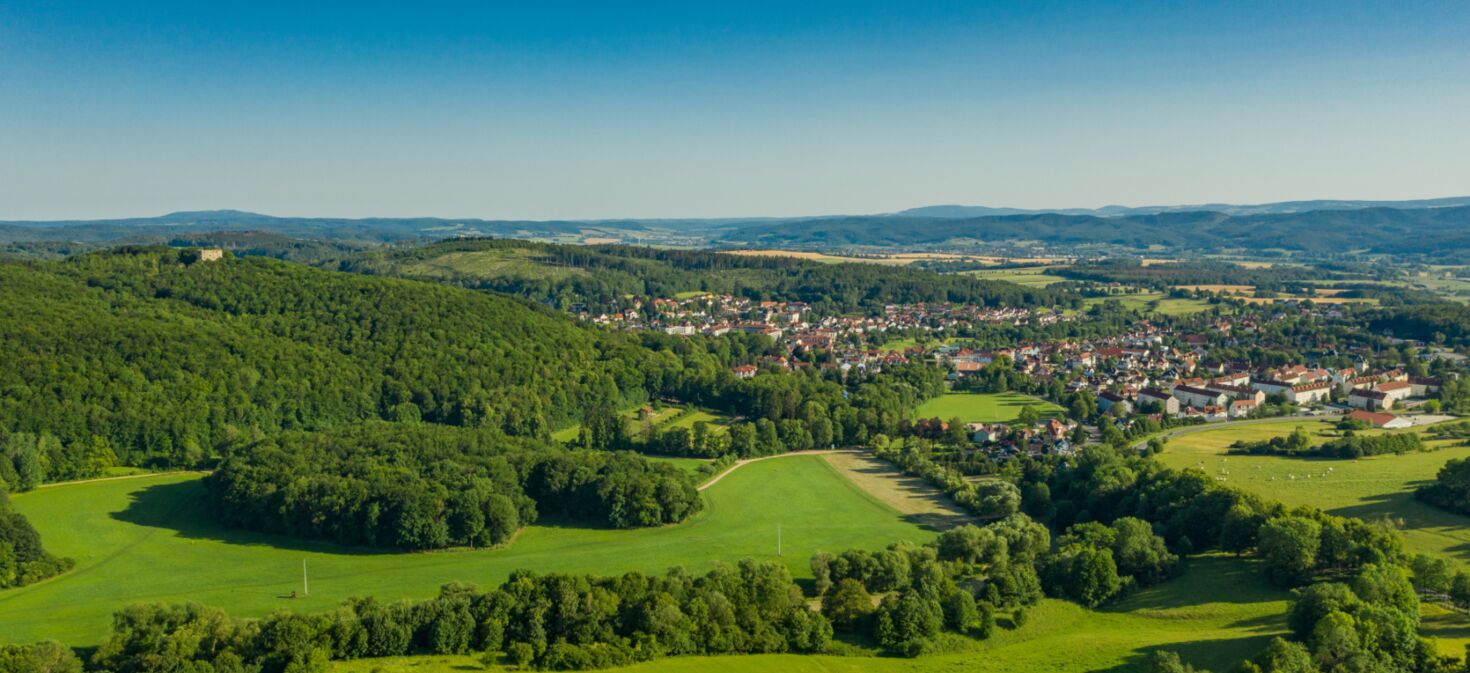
{"x":1377,"y":229}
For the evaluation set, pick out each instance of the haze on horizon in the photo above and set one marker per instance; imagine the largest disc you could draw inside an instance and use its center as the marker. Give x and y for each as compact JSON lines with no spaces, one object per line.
{"x":585,"y":110}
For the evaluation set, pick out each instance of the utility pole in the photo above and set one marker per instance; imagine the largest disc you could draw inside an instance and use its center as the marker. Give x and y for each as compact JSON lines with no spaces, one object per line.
{"x":305,"y":588}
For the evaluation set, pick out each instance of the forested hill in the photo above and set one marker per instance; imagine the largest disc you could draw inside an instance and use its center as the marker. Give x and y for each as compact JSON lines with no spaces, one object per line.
{"x":144,"y":356}
{"x":1383,"y":230}
{"x":599,"y":274}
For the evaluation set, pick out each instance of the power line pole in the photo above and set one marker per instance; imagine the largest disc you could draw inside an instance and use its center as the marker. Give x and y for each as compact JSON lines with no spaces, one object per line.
{"x":305,"y":588}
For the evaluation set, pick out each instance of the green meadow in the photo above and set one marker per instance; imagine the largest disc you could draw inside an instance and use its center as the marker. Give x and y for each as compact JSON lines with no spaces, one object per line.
{"x":148,"y":539}
{"x":1220,"y":612}
{"x":1368,"y":488}
{"x":1031,"y":276}
{"x":664,"y":417}
{"x":983,"y":407}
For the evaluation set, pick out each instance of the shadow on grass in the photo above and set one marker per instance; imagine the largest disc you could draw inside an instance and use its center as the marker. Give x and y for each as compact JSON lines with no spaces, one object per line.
{"x":1221,"y":654}
{"x":180,"y":507}
{"x":1206,"y":579}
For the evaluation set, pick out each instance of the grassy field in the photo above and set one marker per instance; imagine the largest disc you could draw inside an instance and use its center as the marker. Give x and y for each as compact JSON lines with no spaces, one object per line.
{"x":982,"y":408}
{"x":506,"y":262}
{"x":1035,"y":276}
{"x":1142,"y":302}
{"x":690,"y":465}
{"x":911,"y":496}
{"x":1217,"y":614}
{"x":146,"y":539}
{"x":1368,"y":488}
{"x":669,"y":416}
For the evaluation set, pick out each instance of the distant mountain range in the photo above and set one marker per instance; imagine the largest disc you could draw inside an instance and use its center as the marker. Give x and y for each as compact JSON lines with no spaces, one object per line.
{"x":1433,"y":231}
{"x":1323,"y":226}
{"x":1226,"y":208}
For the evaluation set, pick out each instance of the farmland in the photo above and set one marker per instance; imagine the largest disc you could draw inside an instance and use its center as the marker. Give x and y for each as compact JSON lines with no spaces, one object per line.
{"x":982,"y":408}
{"x":1219,"y":612}
{"x":147,"y":539}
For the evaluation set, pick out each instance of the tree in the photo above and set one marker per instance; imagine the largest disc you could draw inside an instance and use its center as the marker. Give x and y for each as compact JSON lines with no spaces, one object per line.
{"x":1163,"y":661}
{"x":1083,"y":573}
{"x":1140,"y":553}
{"x":1283,"y":656}
{"x":848,"y":605}
{"x":44,"y":657}
{"x":1334,"y":641}
{"x":960,"y":611}
{"x":1028,"y":416}
{"x":1289,"y":546}
{"x":906,"y":622}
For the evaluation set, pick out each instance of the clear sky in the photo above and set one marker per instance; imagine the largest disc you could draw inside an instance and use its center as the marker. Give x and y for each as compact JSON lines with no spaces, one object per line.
{"x":696,"y":108}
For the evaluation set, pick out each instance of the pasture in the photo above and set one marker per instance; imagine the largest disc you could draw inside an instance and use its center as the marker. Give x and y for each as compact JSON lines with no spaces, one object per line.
{"x":148,"y":539}
{"x":1220,"y":612}
{"x":983,"y":407}
{"x":1367,"y":488}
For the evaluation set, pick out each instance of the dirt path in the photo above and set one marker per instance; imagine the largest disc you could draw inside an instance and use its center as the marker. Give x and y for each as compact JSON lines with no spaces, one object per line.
{"x":741,"y":463}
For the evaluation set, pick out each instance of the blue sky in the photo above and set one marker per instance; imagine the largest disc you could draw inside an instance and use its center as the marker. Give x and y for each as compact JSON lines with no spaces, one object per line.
{"x":581,"y":110}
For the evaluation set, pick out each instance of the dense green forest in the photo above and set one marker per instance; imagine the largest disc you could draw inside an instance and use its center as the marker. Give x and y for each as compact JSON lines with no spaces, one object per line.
{"x":421,"y":486}
{"x":1442,"y":323}
{"x":599,"y":275}
{"x":139,"y":358}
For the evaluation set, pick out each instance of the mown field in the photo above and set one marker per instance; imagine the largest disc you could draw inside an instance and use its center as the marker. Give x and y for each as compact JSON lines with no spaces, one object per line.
{"x":147,"y":539}
{"x":1220,"y":612}
{"x":1368,"y":488}
{"x":983,"y":408}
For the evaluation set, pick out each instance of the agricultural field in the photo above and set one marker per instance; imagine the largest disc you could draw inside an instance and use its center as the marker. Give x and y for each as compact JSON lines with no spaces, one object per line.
{"x":1035,"y":276}
{"x":1220,"y":612}
{"x":983,"y":408}
{"x":148,"y":539}
{"x":1368,"y":488}
{"x":890,"y":259}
